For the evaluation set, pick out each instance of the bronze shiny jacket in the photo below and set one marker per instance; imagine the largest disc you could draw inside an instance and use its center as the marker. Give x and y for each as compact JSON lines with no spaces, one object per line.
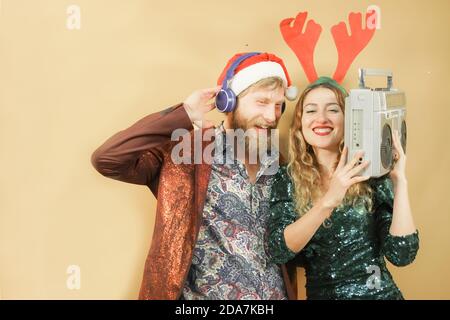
{"x":141,"y":155}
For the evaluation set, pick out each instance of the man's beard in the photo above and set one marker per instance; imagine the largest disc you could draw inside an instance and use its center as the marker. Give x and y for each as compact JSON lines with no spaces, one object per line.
{"x":255,"y":140}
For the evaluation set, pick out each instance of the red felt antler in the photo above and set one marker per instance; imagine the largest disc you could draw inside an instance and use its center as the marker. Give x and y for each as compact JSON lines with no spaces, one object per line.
{"x":303,"y":44}
{"x":349,"y":46}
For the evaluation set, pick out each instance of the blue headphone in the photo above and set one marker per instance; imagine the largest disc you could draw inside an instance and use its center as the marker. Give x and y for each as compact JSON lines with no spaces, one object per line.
{"x":226,"y":99}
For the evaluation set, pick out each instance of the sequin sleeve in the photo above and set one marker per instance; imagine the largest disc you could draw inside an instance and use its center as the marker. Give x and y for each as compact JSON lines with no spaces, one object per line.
{"x":282,"y":214}
{"x":399,"y":250}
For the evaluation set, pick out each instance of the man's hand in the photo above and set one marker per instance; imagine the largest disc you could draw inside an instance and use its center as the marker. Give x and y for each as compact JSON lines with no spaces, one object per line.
{"x":198,"y":104}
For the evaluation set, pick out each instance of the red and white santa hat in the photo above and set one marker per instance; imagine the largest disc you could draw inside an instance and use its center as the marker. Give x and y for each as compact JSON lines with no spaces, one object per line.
{"x":255,"y":68}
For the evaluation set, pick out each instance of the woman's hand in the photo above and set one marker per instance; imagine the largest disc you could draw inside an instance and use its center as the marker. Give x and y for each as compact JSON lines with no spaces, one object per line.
{"x":343,"y":178}
{"x":398,"y":172}
{"x":198,"y":104}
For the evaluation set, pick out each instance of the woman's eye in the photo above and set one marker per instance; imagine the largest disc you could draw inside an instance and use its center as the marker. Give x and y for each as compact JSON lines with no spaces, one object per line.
{"x":334,"y":110}
{"x":310,"y":111}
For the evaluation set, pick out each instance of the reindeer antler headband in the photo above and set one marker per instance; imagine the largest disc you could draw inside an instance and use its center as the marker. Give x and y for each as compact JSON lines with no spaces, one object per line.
{"x":348,"y":45}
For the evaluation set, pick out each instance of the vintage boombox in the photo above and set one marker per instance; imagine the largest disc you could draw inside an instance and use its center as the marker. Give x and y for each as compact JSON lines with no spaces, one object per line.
{"x":371,"y":115}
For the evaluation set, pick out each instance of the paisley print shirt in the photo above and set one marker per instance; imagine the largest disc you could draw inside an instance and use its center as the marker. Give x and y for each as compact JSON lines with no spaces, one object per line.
{"x":230,"y":260}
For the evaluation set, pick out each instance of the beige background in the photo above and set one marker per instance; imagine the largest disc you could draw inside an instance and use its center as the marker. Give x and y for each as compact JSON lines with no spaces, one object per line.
{"x":63,"y":92}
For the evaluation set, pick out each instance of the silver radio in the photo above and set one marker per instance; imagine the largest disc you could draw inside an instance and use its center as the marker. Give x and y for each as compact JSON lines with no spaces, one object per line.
{"x":371,"y":115}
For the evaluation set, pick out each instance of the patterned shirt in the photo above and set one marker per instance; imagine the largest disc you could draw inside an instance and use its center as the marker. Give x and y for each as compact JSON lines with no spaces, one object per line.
{"x":230,"y":260}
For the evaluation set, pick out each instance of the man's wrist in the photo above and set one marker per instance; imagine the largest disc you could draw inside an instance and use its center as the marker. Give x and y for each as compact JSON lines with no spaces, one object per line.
{"x":188,"y":110}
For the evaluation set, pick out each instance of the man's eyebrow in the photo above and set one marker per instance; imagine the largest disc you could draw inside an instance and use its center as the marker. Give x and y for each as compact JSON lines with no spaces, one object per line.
{"x":267,"y":99}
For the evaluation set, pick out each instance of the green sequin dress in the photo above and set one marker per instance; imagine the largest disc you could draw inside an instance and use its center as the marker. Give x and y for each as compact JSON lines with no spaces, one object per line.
{"x":345,"y":258}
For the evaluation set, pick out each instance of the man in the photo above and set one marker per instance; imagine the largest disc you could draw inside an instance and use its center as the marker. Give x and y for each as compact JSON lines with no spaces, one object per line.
{"x":209,"y":237}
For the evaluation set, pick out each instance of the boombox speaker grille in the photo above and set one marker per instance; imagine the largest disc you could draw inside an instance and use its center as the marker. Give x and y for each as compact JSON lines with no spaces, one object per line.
{"x":386,"y":147}
{"x":403,"y":135}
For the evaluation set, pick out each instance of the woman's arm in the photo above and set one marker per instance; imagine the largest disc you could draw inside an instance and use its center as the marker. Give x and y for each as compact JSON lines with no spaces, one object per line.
{"x":398,"y":235}
{"x":299,"y":233}
{"x":399,"y":249}
{"x":287,"y":237}
{"x":402,"y":220}
{"x":282,"y":214}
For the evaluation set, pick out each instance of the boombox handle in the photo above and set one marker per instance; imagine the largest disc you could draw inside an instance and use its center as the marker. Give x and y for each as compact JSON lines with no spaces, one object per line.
{"x":374,"y":72}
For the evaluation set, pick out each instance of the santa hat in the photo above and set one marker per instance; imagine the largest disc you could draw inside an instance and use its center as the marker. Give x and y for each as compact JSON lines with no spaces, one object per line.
{"x":255,"y":68}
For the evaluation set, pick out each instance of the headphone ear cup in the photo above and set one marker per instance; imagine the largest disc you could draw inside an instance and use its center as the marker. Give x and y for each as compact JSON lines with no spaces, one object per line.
{"x":225,"y":100}
{"x":283,"y":107}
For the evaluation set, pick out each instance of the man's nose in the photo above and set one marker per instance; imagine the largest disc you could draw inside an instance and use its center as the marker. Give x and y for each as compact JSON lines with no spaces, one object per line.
{"x":270,"y":114}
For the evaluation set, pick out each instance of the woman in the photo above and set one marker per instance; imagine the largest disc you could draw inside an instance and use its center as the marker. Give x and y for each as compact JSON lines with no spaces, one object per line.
{"x":336,"y":223}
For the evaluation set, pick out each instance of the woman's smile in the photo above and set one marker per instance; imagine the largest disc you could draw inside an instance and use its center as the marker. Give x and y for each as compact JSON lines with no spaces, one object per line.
{"x":322,"y":130}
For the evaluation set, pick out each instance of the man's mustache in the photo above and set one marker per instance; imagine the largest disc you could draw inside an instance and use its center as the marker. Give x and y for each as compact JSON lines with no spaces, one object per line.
{"x":266,"y":125}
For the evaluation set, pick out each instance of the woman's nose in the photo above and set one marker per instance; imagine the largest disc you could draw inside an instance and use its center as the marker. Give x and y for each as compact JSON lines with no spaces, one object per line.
{"x":321,"y":117}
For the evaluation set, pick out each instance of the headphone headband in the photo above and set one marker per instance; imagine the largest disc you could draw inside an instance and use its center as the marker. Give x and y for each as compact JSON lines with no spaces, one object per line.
{"x":226,"y":99}
{"x":234,"y":65}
